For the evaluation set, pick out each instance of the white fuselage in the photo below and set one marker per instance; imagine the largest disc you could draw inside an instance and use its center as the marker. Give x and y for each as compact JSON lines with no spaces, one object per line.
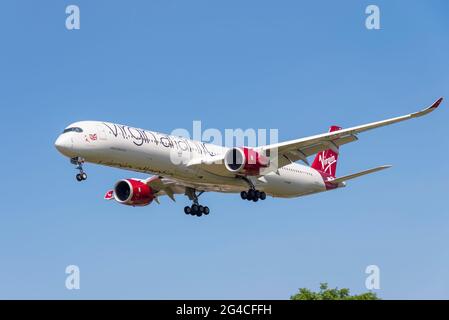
{"x":161,"y":154}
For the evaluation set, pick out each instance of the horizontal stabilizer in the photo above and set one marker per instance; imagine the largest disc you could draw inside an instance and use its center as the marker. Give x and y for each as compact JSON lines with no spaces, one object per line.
{"x":358,"y":174}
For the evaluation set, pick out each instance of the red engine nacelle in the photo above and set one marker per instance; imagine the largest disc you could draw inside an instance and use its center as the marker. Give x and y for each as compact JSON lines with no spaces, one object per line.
{"x":245,"y":160}
{"x":133,"y":192}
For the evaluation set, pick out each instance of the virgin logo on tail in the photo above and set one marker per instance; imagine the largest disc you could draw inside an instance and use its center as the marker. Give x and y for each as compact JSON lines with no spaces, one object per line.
{"x":326,"y":163}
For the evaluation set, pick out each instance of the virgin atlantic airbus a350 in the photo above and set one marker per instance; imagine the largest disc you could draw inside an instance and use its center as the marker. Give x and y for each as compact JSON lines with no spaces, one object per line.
{"x":188,"y":167}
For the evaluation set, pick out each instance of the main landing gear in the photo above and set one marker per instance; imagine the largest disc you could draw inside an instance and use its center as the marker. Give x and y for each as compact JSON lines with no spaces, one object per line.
{"x":81,"y":176}
{"x":252,"y":194}
{"x":195,"y":209}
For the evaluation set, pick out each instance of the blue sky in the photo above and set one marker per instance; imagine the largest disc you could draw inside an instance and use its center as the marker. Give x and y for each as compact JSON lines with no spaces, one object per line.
{"x":296,"y":66}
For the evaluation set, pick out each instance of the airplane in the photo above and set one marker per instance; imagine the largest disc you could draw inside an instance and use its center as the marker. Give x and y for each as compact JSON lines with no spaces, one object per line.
{"x":187,"y":167}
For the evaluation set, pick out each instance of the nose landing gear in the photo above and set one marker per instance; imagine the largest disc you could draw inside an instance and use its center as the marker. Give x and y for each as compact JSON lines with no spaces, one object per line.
{"x":81,"y":176}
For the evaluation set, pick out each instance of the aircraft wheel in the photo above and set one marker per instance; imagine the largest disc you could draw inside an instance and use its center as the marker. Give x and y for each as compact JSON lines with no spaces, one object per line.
{"x":251,"y":194}
{"x":206,"y":210}
{"x":195,"y":209}
{"x":263,"y":195}
{"x":255,"y":199}
{"x":244,"y":195}
{"x":79,"y":177}
{"x":201,"y":209}
{"x":257,"y":194}
{"x":83,"y":176}
{"x":187,"y":210}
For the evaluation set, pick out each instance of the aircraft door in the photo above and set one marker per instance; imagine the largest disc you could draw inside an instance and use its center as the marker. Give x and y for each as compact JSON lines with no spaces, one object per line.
{"x":102,"y":136}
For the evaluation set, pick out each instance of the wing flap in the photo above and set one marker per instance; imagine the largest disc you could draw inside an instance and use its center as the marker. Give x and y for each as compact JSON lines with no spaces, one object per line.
{"x":160,"y":185}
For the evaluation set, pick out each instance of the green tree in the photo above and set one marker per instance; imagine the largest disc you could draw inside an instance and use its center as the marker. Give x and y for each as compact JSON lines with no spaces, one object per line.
{"x":331,"y":294}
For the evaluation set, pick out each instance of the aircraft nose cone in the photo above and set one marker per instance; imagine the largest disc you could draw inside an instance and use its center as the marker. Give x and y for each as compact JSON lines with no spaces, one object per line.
{"x":63,"y":144}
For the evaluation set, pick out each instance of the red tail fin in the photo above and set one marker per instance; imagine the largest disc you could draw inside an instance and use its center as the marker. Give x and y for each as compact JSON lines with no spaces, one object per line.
{"x":326,"y":161}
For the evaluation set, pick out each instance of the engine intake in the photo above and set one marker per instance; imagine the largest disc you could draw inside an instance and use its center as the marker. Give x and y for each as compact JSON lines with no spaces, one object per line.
{"x":133,"y":192}
{"x":245,"y":161}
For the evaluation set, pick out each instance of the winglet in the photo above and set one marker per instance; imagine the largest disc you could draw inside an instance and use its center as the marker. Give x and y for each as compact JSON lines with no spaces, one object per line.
{"x":436,"y":103}
{"x":428,"y":109}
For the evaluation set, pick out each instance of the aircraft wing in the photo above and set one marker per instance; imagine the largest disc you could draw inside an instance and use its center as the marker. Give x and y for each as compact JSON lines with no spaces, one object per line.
{"x":300,"y":149}
{"x":163,"y":186}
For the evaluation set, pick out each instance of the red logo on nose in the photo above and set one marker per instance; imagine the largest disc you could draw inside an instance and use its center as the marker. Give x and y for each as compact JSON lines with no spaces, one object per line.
{"x":93,"y":137}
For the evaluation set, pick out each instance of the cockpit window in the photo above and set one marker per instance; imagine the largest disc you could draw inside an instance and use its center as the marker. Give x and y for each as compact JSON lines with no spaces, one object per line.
{"x":73,"y":129}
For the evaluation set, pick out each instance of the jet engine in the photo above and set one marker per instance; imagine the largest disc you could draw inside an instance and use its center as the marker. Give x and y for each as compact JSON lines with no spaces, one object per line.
{"x":245,"y":161}
{"x":133,"y":192}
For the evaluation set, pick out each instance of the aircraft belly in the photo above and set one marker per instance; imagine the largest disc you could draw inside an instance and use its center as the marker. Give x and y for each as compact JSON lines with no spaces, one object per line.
{"x":288,"y":184}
